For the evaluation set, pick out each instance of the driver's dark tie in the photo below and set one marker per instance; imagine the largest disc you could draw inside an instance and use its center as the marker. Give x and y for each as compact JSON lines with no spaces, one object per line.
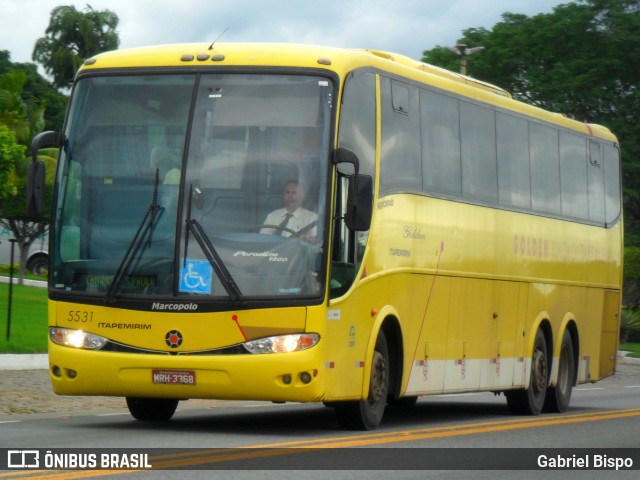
{"x":283,"y":224}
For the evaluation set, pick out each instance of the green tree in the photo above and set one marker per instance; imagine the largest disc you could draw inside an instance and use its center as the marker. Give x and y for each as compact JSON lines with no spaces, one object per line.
{"x":15,"y":113}
{"x":10,"y":154}
{"x":37,"y":95}
{"x":581,"y":60}
{"x":631,"y":280}
{"x":629,"y":324}
{"x":21,"y":117}
{"x":71,"y":38}
{"x":12,"y":213}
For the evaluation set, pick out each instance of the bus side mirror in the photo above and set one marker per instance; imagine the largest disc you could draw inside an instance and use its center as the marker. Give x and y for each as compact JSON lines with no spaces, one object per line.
{"x":360,"y":195}
{"x":35,"y":189}
{"x":35,"y":171}
{"x":360,"y":203}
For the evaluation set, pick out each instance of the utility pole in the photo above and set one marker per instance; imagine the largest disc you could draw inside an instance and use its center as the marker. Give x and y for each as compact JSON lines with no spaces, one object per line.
{"x":9,"y":303}
{"x":462,"y":50}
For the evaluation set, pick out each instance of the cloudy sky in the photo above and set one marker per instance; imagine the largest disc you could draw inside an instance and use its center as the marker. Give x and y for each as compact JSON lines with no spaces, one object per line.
{"x":402,"y":26}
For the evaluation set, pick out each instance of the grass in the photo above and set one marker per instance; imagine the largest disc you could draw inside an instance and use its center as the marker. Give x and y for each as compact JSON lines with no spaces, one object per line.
{"x":28,"y":331}
{"x":633,"y":348}
{"x":5,"y":270}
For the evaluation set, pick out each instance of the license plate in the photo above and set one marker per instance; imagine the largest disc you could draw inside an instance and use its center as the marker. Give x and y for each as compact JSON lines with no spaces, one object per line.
{"x":173,"y":377}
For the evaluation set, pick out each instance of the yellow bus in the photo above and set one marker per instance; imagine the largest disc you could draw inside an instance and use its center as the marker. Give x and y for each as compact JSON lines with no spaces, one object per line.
{"x":437,"y":236}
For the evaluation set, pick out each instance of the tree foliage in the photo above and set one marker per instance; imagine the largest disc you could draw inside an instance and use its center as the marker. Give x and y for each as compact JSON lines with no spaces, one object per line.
{"x":21,"y":116}
{"x":10,"y":154}
{"x":581,"y":60}
{"x":71,"y":38}
{"x":629,"y":324}
{"x":25,"y":230}
{"x":631,"y":280}
{"x":37,"y":95}
{"x":24,"y":99}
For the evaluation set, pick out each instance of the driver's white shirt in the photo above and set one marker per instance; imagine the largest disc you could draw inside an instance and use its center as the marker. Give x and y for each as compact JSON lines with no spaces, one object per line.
{"x":300,"y":219}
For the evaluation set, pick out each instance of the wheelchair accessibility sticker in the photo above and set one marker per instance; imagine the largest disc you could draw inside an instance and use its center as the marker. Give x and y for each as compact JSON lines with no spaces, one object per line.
{"x":196,"y":277}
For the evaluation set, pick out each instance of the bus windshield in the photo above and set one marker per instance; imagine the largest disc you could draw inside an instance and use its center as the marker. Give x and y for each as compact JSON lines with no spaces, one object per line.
{"x":207,"y":186}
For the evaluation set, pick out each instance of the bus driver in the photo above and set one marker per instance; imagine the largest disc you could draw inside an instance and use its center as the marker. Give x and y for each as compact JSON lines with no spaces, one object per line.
{"x":292,"y":218}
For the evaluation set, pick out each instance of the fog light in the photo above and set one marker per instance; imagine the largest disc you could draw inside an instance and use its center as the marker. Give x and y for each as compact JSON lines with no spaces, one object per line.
{"x":305,"y":377}
{"x":286,"y":379}
{"x":56,"y":371}
{"x":72,"y":374}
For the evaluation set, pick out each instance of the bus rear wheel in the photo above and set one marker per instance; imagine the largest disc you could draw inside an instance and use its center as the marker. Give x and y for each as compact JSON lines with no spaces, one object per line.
{"x":530,"y":401}
{"x":152,"y":409}
{"x":558,"y":397}
{"x":367,"y":414}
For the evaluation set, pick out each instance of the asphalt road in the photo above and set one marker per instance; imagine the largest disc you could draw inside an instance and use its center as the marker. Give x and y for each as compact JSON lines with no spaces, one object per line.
{"x":602,"y":416}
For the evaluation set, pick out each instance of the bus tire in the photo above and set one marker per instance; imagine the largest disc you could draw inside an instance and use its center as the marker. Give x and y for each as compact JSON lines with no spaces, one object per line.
{"x":38,"y":265}
{"x":152,"y":409}
{"x":367,"y":414}
{"x":530,"y":401}
{"x":558,"y":397}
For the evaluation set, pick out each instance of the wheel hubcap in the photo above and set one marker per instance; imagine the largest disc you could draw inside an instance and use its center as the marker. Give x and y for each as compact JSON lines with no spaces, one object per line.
{"x":539,"y":371}
{"x":378,"y":387}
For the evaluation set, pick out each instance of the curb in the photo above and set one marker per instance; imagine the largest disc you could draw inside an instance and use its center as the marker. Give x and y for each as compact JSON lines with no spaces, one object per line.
{"x":622,"y":358}
{"x":24,"y":361}
{"x":26,"y":281}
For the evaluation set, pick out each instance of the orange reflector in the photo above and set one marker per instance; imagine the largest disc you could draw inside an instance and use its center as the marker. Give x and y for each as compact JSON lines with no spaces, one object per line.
{"x":305,"y":341}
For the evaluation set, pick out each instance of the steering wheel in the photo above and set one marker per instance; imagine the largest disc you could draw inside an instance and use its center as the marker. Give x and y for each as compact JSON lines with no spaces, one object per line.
{"x":293,"y":233}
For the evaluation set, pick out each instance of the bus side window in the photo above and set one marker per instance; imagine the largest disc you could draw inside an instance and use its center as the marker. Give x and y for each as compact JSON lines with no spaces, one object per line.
{"x":342,"y":275}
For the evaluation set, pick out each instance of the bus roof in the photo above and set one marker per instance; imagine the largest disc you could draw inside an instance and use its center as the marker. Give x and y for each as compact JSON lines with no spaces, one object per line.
{"x":339,"y":60}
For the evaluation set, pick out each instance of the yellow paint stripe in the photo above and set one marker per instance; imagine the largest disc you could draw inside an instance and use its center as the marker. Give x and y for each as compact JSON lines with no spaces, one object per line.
{"x":403,"y":434}
{"x":218,"y":455}
{"x":17,"y":473}
{"x":64,"y":474}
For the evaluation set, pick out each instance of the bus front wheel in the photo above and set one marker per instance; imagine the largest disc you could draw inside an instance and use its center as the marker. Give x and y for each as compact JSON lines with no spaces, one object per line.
{"x":367,"y":414}
{"x":152,"y":409}
{"x":530,"y":401}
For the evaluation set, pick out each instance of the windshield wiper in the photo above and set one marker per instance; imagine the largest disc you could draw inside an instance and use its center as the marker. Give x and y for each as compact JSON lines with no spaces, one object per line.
{"x":194,"y":227}
{"x":144,"y":230}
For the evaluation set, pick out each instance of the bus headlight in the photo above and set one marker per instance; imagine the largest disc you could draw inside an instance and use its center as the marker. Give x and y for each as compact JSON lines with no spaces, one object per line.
{"x":76,"y":338}
{"x":283,"y":343}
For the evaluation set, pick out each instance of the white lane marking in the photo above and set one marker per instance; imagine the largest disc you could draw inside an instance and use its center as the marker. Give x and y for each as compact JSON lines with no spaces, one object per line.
{"x":462,"y":394}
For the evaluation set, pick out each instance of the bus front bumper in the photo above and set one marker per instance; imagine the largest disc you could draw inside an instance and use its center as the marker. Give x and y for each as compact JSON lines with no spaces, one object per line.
{"x":295,"y":377}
